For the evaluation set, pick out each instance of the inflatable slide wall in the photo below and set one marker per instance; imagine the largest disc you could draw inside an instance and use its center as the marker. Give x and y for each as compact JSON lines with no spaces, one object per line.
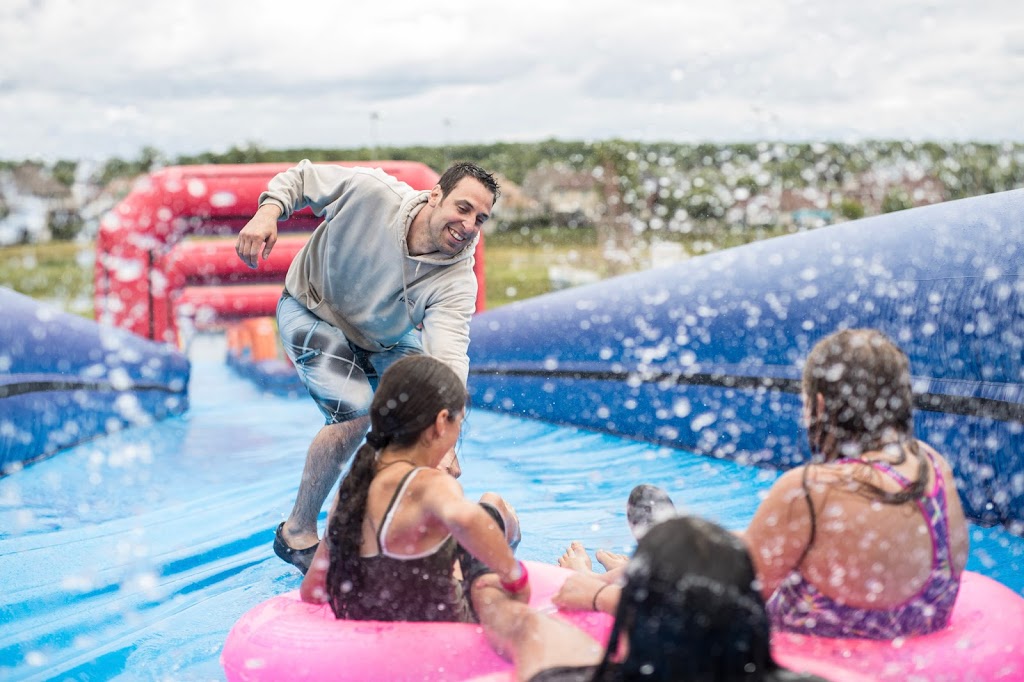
{"x":65,"y":379}
{"x":706,"y":355}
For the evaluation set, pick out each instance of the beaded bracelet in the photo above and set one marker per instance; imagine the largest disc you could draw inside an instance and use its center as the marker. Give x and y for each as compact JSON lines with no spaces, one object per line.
{"x":593,"y":603}
{"x":519,"y":583}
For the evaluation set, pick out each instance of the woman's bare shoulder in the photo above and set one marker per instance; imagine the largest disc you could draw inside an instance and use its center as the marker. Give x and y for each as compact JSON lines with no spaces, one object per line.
{"x":939,"y":458}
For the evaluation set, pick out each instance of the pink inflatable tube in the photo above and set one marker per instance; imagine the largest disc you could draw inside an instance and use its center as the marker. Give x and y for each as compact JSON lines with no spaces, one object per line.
{"x":283,"y":638}
{"x":286,"y":639}
{"x":984,"y":641}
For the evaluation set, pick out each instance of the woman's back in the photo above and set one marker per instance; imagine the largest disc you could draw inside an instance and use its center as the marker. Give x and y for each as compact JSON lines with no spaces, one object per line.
{"x":407,"y":555}
{"x":870,"y":540}
{"x":395,"y":517}
{"x":874,"y":555}
{"x":853,"y":565}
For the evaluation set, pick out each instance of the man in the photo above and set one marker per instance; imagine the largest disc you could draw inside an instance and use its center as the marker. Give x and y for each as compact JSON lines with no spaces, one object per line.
{"x":388,"y":273}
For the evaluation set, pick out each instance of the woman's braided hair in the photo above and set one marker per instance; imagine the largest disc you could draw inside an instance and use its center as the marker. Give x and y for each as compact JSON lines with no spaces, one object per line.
{"x":412,"y":392}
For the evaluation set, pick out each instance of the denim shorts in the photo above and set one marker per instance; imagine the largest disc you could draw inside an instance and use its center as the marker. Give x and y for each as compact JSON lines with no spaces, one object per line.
{"x":339,"y":375}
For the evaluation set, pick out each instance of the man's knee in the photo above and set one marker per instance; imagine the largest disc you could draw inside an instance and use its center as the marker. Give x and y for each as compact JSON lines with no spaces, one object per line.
{"x":349,"y":431}
{"x":340,"y":439}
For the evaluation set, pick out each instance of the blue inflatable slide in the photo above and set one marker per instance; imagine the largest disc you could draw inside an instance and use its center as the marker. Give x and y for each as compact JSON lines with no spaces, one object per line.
{"x":706,"y":355}
{"x":65,"y":379}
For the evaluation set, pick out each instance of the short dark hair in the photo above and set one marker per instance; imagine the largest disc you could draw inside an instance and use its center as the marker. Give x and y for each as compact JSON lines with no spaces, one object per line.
{"x":692,"y":608}
{"x":465,"y":169}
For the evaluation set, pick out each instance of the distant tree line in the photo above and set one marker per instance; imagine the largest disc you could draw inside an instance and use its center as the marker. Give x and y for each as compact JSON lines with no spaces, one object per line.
{"x":699,"y":181}
{"x":966,"y":169}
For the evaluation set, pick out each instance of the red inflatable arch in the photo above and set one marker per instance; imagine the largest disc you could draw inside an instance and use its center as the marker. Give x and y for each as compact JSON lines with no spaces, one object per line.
{"x":148,"y":274}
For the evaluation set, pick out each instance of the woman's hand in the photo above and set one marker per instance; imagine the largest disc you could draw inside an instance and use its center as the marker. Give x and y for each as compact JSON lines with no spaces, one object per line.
{"x":450,"y":464}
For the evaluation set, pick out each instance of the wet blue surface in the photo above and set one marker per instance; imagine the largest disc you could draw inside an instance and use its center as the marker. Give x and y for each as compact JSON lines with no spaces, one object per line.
{"x":130,"y":557}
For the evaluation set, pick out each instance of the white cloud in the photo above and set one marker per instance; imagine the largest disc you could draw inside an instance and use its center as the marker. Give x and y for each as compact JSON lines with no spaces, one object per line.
{"x":98,"y":79}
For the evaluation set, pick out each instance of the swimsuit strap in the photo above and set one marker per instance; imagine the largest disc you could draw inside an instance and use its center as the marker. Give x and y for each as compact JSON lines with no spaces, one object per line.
{"x":879,"y":466}
{"x":390,"y":511}
{"x":885,"y":467}
{"x":389,"y":515}
{"x":935,"y":508}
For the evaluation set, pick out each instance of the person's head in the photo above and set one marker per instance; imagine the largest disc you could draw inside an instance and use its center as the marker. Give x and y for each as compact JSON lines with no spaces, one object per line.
{"x":457,"y":172}
{"x":420,"y":400}
{"x":691,"y":608}
{"x":857,"y":393}
{"x":415,"y":393}
{"x":457,"y":209}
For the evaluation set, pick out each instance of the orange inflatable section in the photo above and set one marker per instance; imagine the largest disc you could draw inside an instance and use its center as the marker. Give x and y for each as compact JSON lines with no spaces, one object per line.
{"x":167,"y":250}
{"x":254,"y":339}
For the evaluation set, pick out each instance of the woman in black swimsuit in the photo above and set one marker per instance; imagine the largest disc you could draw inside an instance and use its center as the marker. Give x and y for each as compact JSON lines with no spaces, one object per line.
{"x":400,"y":524}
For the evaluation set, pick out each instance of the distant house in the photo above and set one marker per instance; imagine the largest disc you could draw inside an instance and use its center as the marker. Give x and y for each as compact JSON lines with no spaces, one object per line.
{"x":97,"y":202}
{"x":567,"y":196}
{"x":871,"y":188}
{"x":925,"y":190}
{"x":758,"y":210}
{"x":34,"y":201}
{"x":514,"y":205}
{"x":806,"y":208}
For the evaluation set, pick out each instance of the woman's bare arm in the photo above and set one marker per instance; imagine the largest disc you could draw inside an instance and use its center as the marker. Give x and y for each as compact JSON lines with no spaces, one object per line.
{"x":472,"y":527}
{"x":780,"y":531}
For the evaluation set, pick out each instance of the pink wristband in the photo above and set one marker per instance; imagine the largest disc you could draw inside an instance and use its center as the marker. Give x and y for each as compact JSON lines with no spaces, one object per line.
{"x":519,"y":583}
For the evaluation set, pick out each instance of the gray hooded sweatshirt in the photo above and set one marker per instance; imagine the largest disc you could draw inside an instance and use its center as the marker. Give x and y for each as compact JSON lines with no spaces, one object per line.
{"x":355,"y":272}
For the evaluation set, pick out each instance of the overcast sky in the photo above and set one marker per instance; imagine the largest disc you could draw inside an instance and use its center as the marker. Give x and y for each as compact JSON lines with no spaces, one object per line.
{"x":95,"y":79}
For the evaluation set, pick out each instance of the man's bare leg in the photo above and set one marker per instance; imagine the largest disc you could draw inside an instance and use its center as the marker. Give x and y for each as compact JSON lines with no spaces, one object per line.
{"x":533,"y":641}
{"x":330,"y":450}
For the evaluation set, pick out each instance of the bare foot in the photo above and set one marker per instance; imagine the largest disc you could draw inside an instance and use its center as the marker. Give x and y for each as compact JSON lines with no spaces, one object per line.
{"x":575,"y":558}
{"x":610,"y":560}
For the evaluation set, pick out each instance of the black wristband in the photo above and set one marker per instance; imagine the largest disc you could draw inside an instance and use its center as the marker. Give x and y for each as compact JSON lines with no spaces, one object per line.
{"x":593,"y":603}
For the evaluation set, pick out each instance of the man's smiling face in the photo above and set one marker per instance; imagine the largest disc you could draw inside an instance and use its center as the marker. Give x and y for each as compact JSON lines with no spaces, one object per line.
{"x":458,"y":216}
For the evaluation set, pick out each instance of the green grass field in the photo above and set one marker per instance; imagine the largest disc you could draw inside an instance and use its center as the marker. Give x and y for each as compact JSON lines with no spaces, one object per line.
{"x":56,"y":272}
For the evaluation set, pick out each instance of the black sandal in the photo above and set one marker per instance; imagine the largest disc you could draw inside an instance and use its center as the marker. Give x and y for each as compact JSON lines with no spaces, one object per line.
{"x":647,"y":505}
{"x":299,"y":558}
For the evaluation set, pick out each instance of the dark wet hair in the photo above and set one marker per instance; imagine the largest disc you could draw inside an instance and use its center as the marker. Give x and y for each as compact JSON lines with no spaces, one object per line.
{"x":412,"y":392}
{"x":864,"y":381}
{"x":463,"y":169}
{"x":691,"y":608}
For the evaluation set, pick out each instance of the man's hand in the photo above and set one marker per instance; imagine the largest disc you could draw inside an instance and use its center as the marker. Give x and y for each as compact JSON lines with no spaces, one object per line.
{"x":450,"y":464}
{"x":259,"y":233}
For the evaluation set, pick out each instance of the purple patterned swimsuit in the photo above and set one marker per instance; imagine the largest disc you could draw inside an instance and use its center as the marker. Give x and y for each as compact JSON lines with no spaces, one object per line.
{"x":798,"y":606}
